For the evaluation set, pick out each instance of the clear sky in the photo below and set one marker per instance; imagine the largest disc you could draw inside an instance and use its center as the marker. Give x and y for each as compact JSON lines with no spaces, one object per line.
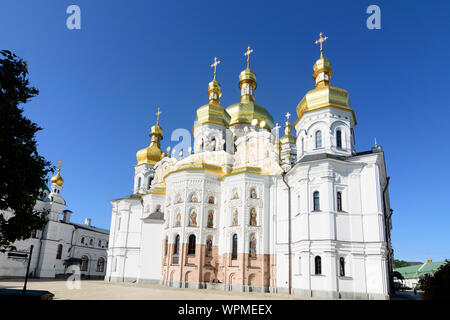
{"x":100,"y":86}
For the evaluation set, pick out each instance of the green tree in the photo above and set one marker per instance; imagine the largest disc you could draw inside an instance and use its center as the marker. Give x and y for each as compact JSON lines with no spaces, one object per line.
{"x":22,"y":170}
{"x":400,"y":263}
{"x":437,"y":286}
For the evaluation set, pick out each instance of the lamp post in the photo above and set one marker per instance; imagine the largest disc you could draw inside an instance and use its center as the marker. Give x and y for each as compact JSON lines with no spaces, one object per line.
{"x":28,"y":271}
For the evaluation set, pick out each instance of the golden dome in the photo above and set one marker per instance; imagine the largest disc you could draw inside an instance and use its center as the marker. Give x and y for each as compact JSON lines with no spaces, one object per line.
{"x":247,"y":75}
{"x":152,"y":154}
{"x":324,"y":95}
{"x":213,"y":112}
{"x":288,"y":137}
{"x":245,"y":112}
{"x":57,"y":179}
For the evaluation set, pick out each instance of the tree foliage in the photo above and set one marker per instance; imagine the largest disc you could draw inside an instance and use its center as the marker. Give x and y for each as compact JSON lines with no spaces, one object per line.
{"x":400,"y":263}
{"x":437,"y":286}
{"x":22,"y":170}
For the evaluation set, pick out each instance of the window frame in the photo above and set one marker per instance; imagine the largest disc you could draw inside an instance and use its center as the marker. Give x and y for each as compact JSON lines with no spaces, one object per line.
{"x":316,"y":197}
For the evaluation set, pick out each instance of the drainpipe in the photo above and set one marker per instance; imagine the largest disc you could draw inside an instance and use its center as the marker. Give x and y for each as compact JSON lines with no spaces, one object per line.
{"x":289,"y":232}
{"x":387,"y":218}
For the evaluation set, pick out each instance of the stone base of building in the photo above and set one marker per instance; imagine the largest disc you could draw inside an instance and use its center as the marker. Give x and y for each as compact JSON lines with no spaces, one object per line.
{"x":335,"y":295}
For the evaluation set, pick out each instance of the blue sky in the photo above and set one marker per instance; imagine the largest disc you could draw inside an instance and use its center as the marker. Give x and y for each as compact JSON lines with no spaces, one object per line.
{"x":100,"y":86}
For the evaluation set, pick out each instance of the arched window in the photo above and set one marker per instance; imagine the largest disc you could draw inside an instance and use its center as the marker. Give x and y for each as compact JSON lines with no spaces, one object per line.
{"x":100,"y":264}
{"x":91,"y":242}
{"x":316,"y":201}
{"x":82,"y":240}
{"x":176,"y":247}
{"x":191,"y":244}
{"x":252,"y":246}
{"x":342,"y":267}
{"x":339,"y":201}
{"x":318,"y":139}
{"x":139,"y":183}
{"x":317,"y":265}
{"x":84,"y":263}
{"x":150,"y":181}
{"x":213,"y":144}
{"x":339,"y":139}
{"x":59,"y":252}
{"x":234,"y":254}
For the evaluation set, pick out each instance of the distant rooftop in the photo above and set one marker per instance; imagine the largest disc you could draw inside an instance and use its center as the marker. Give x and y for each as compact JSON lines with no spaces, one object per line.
{"x":416,"y":271}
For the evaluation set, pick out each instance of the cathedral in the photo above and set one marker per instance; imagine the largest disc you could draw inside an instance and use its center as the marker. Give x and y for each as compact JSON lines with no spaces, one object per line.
{"x":304,"y":214}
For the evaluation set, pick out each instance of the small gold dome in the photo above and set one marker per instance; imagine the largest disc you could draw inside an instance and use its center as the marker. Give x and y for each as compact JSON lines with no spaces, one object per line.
{"x":288,"y":137}
{"x":214,"y":86}
{"x":152,"y":154}
{"x":57,"y":179}
{"x":247,"y":75}
{"x":156,"y":130}
{"x":324,"y":95}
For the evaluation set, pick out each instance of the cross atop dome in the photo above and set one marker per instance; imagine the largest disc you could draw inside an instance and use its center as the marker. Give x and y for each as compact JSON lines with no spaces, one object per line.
{"x":214,"y":65}
{"x":247,"y":53}
{"x":288,"y":115}
{"x":157,"y":115}
{"x":320,"y":41}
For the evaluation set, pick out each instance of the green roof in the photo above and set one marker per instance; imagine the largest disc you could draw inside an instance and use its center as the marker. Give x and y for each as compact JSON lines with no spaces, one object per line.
{"x":415,"y":272}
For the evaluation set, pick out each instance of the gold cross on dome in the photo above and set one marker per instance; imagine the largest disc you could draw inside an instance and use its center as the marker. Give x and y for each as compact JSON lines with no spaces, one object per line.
{"x":247,"y":53}
{"x":157,"y":115}
{"x":214,"y":65}
{"x":320,"y":41}
{"x":59,"y":165}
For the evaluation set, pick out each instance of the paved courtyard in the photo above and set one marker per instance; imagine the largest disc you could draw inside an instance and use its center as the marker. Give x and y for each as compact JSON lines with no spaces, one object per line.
{"x":100,"y":290}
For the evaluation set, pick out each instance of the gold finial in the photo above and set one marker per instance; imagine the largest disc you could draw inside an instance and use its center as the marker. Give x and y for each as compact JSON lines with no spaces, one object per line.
{"x":247,"y":53}
{"x":157,"y":116}
{"x":320,"y":41}
{"x":214,"y":65}
{"x":59,"y":165}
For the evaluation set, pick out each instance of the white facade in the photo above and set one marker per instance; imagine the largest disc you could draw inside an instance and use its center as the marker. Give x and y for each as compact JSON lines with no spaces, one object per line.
{"x":315,"y":224}
{"x":60,"y":246}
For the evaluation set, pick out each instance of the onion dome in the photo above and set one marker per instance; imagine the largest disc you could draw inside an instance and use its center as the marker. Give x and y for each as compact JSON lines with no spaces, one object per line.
{"x":57,"y":179}
{"x":245,"y":111}
{"x":152,"y":154}
{"x":213,"y":112}
{"x":324,"y":95}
